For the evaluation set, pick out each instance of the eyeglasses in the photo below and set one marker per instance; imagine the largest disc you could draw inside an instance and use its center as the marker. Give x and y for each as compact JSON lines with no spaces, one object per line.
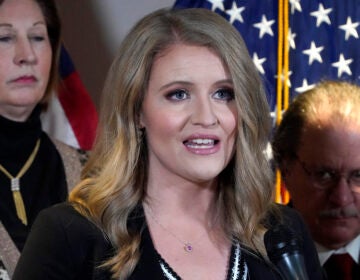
{"x":327,"y":178}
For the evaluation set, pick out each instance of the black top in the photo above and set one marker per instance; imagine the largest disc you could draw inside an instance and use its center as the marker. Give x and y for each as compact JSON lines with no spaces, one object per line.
{"x":41,"y":186}
{"x":65,"y":245}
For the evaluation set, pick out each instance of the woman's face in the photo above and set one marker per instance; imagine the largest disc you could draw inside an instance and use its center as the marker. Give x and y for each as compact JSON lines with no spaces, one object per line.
{"x":189,"y":115}
{"x":25,"y":58}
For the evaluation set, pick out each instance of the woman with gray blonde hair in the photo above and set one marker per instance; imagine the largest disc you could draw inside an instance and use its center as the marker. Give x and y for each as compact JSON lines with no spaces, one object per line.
{"x":177,"y":186}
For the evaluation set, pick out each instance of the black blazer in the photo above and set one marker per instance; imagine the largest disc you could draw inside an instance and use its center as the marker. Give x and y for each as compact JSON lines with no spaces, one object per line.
{"x":65,"y":245}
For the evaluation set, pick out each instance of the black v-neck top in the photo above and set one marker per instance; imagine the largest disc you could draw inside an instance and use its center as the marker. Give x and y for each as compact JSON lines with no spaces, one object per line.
{"x":237,"y":267}
{"x":65,"y":245}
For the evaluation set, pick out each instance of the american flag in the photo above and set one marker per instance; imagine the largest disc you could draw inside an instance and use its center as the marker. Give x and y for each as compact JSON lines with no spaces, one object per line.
{"x":71,"y":116}
{"x":322,"y":38}
{"x":294,"y":44}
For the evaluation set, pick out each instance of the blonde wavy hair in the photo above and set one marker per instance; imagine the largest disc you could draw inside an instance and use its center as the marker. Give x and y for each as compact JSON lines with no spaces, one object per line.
{"x":115,"y":177}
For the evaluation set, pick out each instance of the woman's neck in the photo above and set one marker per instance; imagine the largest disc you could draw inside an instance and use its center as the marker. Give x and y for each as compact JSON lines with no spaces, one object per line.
{"x":187,"y":197}
{"x":17,"y":114}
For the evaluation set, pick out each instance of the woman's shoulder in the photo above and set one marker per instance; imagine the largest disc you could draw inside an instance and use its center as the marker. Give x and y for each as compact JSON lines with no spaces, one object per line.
{"x":65,"y":215}
{"x":65,"y":209}
{"x":64,"y":243}
{"x":75,"y":228}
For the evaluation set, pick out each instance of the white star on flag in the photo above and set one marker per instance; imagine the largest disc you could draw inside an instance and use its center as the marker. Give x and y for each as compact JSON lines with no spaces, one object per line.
{"x":295,"y":5}
{"x":268,"y":151}
{"x":321,"y":15}
{"x":291,"y":39}
{"x":314,"y":53}
{"x":217,"y":4}
{"x":350,"y":28}
{"x":235,"y":13}
{"x":265,"y":26}
{"x":322,"y":41}
{"x":258,"y":63}
{"x":304,"y":87}
{"x":282,"y":77}
{"x":343,"y":65}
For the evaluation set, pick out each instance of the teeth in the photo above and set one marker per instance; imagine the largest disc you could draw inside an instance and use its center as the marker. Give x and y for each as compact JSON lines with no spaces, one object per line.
{"x":202,"y":141}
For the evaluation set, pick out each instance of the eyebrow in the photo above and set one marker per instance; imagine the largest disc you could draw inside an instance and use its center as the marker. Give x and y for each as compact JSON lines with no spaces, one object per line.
{"x":175,"y":83}
{"x":39,"y":22}
{"x":225,"y":81}
{"x":10,"y":25}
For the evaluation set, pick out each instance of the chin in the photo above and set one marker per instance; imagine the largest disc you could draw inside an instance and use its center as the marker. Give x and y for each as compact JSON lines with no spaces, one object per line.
{"x":336,"y":237}
{"x":205,"y":177}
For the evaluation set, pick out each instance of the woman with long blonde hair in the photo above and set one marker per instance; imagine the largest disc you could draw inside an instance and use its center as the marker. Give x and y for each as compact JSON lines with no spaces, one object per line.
{"x":178,"y":185}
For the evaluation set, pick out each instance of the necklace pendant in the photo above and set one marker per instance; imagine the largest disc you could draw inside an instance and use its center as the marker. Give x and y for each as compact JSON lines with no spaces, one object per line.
{"x":188,"y":248}
{"x":15,"y":184}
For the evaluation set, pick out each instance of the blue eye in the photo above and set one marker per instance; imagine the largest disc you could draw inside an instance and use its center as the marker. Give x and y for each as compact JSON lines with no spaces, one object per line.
{"x":225,"y":94}
{"x":178,"y":94}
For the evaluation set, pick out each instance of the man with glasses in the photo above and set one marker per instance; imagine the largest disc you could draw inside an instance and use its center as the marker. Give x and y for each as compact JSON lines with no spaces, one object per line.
{"x":317,"y":149}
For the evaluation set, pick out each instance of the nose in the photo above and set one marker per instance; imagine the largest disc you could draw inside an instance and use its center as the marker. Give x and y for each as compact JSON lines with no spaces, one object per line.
{"x":204,"y":113}
{"x":24,"y":53}
{"x":341,"y":194}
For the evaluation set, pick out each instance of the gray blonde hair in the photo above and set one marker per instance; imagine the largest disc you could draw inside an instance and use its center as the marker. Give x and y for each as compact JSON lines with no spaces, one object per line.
{"x":115,"y":177}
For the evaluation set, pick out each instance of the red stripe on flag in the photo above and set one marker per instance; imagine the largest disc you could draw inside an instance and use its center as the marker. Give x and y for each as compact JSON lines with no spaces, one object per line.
{"x":79,"y":109}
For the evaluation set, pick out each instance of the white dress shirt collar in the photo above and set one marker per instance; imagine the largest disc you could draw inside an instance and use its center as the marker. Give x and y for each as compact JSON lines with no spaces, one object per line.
{"x":352,"y":248}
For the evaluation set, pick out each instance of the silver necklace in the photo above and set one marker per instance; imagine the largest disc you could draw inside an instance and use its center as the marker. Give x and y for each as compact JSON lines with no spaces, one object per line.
{"x":187,"y":246}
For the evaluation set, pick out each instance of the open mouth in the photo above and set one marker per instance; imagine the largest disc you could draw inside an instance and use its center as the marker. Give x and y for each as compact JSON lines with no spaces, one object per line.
{"x":201,"y":143}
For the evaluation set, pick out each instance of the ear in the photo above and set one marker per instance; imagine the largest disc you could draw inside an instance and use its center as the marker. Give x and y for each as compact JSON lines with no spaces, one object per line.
{"x":141,"y":123}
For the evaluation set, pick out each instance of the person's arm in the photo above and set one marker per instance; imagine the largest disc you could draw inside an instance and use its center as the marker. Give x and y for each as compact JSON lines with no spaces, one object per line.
{"x":63,"y":244}
{"x":47,"y":253}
